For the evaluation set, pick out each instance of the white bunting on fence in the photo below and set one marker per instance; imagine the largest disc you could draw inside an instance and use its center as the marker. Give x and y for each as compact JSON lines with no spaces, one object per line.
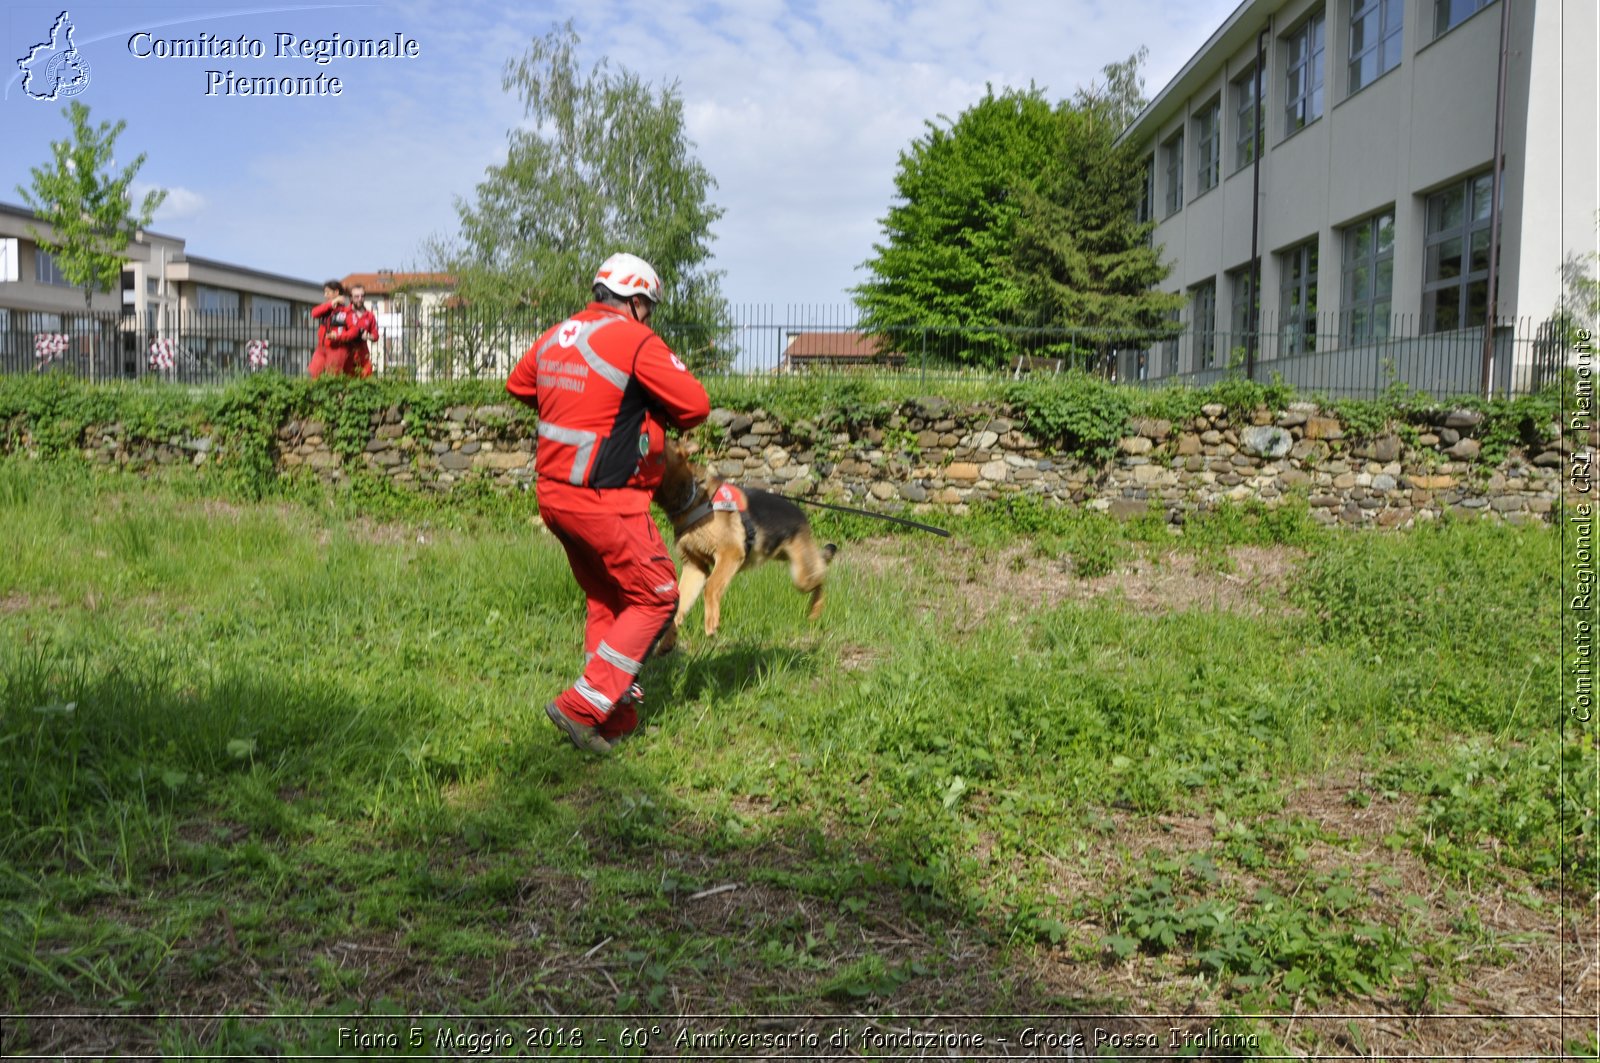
{"x":48,"y":346}
{"x":161,"y":355}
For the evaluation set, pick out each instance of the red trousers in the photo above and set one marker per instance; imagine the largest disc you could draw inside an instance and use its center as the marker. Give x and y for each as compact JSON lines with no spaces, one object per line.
{"x":627,"y":576}
{"x":334,"y":361}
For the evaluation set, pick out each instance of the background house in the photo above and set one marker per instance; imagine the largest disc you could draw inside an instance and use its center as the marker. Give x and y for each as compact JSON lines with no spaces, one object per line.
{"x":209,"y":311}
{"x":810,"y":351}
{"x":408,"y":307}
{"x":1373,"y":143}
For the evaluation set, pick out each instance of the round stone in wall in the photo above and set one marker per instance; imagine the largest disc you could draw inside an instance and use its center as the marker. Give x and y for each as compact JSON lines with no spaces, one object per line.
{"x":1266,"y":441}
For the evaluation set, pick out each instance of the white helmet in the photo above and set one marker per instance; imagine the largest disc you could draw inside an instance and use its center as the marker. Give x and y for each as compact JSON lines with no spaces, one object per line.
{"x":629,"y":275}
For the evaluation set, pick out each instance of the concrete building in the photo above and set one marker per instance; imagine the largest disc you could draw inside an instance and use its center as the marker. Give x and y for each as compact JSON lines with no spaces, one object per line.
{"x":210,"y":312}
{"x":1348,"y":147}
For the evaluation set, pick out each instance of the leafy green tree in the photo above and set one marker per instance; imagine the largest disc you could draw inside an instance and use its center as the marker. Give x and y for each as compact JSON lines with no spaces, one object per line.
{"x":947,"y":242}
{"x":1080,"y":255}
{"x":1017,"y":222}
{"x":88,"y":207}
{"x":604,"y":164}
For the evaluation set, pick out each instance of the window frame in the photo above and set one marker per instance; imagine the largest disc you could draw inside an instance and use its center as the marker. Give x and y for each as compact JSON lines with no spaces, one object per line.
{"x":1241,"y":321}
{"x":47,"y":271}
{"x":1172,"y":154}
{"x":1367,"y":319}
{"x":1203,"y":322}
{"x":1445,"y":18}
{"x":1247,"y":101}
{"x":1208,"y":145}
{"x":1169,"y":346}
{"x":282,"y":311}
{"x":1379,"y":46}
{"x":1298,"y":270}
{"x":1305,"y":104}
{"x":1144,"y":212}
{"x":1467,"y":230}
{"x":233,"y":307}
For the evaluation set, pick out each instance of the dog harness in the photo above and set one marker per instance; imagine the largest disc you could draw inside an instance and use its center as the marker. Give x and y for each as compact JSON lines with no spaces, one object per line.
{"x":725,"y":499}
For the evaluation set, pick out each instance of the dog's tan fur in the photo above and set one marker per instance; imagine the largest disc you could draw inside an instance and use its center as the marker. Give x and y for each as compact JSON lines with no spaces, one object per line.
{"x":712,"y":545}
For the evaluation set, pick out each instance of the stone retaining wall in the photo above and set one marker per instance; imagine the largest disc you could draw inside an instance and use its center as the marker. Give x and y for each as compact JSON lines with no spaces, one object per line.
{"x":933,"y":456}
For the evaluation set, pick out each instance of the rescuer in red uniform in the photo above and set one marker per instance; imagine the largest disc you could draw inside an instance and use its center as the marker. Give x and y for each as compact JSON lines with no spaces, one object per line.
{"x":332,"y":317}
{"x":363,"y":327}
{"x":606,"y":388}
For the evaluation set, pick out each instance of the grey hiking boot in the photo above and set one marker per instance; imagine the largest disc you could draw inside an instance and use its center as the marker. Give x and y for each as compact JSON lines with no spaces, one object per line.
{"x":581,"y":735}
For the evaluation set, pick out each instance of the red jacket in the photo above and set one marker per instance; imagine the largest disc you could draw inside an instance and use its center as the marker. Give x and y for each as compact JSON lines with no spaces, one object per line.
{"x":362,"y":323}
{"x":333,"y":322}
{"x":606,"y":388}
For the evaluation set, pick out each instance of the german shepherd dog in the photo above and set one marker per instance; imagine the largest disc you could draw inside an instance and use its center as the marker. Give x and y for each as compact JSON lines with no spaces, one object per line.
{"x":722,"y":530}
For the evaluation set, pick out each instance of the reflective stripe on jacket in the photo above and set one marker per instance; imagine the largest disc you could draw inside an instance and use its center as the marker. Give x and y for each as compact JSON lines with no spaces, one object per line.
{"x":606,"y":388}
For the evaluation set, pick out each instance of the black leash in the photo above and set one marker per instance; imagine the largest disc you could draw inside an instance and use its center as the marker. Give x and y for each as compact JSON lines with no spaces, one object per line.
{"x":875,"y":516}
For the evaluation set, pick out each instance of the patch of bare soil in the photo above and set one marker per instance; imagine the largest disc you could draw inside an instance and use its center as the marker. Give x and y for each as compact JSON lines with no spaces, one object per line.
{"x":1015,"y":581}
{"x":17,"y":602}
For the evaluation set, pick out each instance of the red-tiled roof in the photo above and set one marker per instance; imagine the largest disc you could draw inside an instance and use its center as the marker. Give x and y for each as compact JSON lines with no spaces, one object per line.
{"x":384,"y":282}
{"x":835,"y":346}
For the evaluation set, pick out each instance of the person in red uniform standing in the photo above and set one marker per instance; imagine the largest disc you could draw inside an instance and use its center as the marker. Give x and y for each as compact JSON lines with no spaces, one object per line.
{"x":606,"y":388}
{"x":332,"y":318}
{"x":363,"y":329}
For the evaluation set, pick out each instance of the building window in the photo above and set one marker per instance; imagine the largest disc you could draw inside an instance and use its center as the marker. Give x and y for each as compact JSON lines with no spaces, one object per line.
{"x":1241,"y":308}
{"x":152,"y":286}
{"x":264,"y":311}
{"x":1375,"y":38}
{"x":1247,"y":140}
{"x":1368,"y":278}
{"x":1169,"y":346}
{"x":1147,"y":190}
{"x":1455,"y":279}
{"x":1297,"y":299}
{"x":1303,"y":87}
{"x":1203,"y":299}
{"x":1172,"y":160}
{"x":1208,"y":145}
{"x":46,"y":270}
{"x":1448,"y":14}
{"x":219,"y":302}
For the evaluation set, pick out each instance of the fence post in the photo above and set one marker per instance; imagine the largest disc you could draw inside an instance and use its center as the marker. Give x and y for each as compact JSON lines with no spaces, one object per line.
{"x":924,"y":356}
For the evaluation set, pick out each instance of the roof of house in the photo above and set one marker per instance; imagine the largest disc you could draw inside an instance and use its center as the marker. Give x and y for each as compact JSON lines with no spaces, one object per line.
{"x":1237,"y":30}
{"x":386,"y":281}
{"x":835,"y":346}
{"x":248,"y":271}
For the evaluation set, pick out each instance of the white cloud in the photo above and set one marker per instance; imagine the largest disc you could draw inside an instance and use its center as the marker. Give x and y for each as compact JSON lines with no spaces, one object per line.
{"x":181,"y":203}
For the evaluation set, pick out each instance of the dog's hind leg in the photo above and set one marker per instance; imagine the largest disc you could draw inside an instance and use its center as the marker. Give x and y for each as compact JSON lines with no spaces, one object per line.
{"x":808,"y":567}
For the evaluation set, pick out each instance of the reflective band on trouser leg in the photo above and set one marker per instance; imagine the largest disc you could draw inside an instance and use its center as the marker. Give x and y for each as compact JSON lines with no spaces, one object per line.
{"x":618,"y":660}
{"x":623,"y":558}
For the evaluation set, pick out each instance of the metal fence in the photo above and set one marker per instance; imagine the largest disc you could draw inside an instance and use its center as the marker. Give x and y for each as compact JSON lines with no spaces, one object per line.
{"x":762,"y":343}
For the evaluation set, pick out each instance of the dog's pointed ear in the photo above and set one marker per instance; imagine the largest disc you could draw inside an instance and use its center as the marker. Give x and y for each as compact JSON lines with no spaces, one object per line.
{"x":690,"y":447}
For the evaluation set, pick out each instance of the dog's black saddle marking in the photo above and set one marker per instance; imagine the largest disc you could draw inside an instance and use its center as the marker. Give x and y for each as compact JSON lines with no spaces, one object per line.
{"x":774,"y":515}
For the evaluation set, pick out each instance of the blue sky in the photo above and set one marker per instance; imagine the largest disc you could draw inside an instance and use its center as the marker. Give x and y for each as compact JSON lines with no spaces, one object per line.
{"x":800,"y":112}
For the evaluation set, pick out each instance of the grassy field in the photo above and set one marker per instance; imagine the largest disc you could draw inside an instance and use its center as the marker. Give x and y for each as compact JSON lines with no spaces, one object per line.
{"x":276,"y":777}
